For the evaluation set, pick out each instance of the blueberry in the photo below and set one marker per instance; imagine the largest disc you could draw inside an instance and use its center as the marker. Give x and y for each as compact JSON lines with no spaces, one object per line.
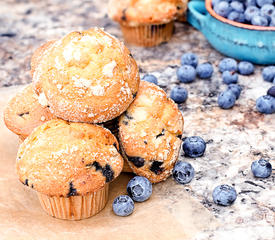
{"x":271,"y":91}
{"x":248,"y":3}
{"x":204,"y":70}
{"x":150,"y":78}
{"x":123,"y":205}
{"x":236,"y":16}
{"x":215,"y":2}
{"x":245,"y":68}
{"x":260,"y":3}
{"x":250,"y":12}
{"x":258,"y":20}
{"x":194,"y":146}
{"x":261,"y":168}
{"x":268,"y":73}
{"x":222,"y":8}
{"x":229,"y":77}
{"x":189,"y":59}
{"x":228,"y":64}
{"x":267,"y":11}
{"x":183,"y":172}
{"x":179,"y":94}
{"x":237,"y":6}
{"x":224,"y":195}
{"x":186,"y":74}
{"x":226,"y":99}
{"x":139,"y":188}
{"x":266,"y":104}
{"x":236,"y":89}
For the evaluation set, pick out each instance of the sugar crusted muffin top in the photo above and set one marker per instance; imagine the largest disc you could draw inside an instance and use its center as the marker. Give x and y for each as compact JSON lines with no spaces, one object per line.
{"x":24,"y":113}
{"x":38,"y":54}
{"x":140,"y":12}
{"x":67,"y":159}
{"x":87,"y":76}
{"x":150,"y":133}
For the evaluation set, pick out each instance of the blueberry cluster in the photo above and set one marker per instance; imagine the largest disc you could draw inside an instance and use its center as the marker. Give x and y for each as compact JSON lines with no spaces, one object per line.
{"x":266,"y":104}
{"x":230,"y":69}
{"x":190,"y":69}
{"x":255,"y":12}
{"x":139,"y":189}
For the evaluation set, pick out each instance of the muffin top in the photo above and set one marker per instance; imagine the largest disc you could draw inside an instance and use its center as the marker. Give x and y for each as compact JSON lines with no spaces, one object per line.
{"x":139,"y":12}
{"x":24,"y":112}
{"x":87,"y":76}
{"x":150,"y":133}
{"x":60,"y":158}
{"x":38,"y":54}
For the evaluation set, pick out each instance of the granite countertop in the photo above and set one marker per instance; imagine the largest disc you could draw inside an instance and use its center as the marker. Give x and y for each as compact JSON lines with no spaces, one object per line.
{"x":234,"y":137}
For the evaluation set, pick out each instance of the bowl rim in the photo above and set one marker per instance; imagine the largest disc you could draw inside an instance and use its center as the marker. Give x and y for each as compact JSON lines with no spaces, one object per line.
{"x":208,"y":5}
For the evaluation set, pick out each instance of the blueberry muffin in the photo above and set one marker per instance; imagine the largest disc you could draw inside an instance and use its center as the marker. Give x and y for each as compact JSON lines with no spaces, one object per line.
{"x":24,"y":113}
{"x":38,"y":54}
{"x":146,"y":22}
{"x":69,"y":165}
{"x":113,"y":127}
{"x":87,"y":76}
{"x":150,"y":133}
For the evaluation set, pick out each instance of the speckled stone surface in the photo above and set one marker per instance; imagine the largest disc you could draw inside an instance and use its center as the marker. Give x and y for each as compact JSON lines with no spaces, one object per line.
{"x":234,"y":137}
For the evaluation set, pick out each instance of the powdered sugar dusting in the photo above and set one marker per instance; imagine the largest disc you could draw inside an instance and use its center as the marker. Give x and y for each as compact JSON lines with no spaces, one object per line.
{"x":109,"y":68}
{"x":42,"y":99}
{"x":81,"y":82}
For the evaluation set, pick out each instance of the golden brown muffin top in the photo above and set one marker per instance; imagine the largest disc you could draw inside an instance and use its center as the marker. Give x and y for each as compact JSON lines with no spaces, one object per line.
{"x":150,"y":132}
{"x":38,"y":54}
{"x":66,"y":159}
{"x":139,"y":12}
{"x":87,"y":76}
{"x":24,"y":113}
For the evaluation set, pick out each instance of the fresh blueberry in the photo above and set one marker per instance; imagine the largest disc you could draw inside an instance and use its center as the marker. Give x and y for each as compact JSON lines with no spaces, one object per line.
{"x":250,"y":12}
{"x":261,"y":168}
{"x":179,"y":94}
{"x":224,"y":195}
{"x":229,"y":77}
{"x":186,"y":74}
{"x":236,"y":89}
{"x":139,"y":188}
{"x":272,"y":20}
{"x":123,"y":205}
{"x":245,"y":68}
{"x":266,"y":104}
{"x":183,"y":172}
{"x":226,"y":99}
{"x":248,"y":3}
{"x":228,"y":64}
{"x":150,"y":78}
{"x":194,"y":146}
{"x":236,"y":16}
{"x":267,"y":11}
{"x":204,"y":70}
{"x":237,"y":6}
{"x":222,"y":8}
{"x":271,"y":91}
{"x":215,"y":2}
{"x":268,"y":73}
{"x":189,"y":59}
{"x":260,"y":3}
{"x":258,"y":20}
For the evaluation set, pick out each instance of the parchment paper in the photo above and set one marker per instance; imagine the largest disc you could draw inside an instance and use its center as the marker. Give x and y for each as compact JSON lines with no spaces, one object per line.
{"x":170,"y":213}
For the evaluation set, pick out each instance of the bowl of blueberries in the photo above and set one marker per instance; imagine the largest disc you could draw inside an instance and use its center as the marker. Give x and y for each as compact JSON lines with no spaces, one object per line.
{"x":242,"y":29}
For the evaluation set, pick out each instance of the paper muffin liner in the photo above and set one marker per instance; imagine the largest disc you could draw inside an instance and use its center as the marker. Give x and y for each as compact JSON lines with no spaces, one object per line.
{"x":148,"y":35}
{"x":75,"y":207}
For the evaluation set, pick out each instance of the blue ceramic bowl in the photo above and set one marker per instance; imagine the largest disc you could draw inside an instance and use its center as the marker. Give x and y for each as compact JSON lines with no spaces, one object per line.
{"x":237,"y":40}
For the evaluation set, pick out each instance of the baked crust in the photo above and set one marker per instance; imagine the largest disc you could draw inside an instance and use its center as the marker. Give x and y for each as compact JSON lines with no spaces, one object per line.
{"x":24,"y":113}
{"x":150,"y":133}
{"x":87,"y":76}
{"x":141,"y":12}
{"x":67,"y":159}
